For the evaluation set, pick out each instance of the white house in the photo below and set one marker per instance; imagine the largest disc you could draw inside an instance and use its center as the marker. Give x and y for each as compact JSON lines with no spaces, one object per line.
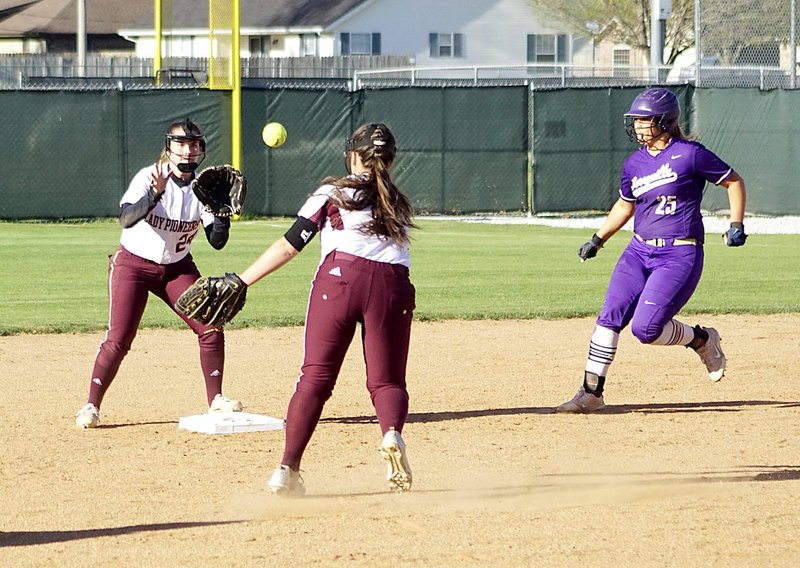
{"x":430,"y":32}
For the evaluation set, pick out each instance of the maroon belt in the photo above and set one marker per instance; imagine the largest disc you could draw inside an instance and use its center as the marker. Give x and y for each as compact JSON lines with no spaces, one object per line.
{"x":339,"y":255}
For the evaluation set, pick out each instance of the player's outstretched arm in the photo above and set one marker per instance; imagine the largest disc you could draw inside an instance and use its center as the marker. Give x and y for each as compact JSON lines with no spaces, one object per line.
{"x":278,"y":254}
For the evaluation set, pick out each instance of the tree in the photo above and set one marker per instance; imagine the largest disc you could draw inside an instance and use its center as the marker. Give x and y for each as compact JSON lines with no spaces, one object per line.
{"x":625,"y":21}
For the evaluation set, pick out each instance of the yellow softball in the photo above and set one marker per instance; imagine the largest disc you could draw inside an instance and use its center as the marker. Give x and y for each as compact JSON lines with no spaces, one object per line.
{"x":273,"y":134}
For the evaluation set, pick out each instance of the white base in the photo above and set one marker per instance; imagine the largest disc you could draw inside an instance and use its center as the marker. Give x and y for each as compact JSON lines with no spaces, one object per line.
{"x":229,"y":423}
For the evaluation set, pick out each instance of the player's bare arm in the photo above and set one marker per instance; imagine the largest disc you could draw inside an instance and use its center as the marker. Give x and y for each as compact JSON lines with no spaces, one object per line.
{"x":620,"y":213}
{"x":277,"y":255}
{"x":737,"y":196}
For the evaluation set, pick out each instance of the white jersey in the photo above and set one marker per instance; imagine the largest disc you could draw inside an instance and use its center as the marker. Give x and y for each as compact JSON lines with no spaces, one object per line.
{"x":165,"y":234}
{"x":341,"y":230}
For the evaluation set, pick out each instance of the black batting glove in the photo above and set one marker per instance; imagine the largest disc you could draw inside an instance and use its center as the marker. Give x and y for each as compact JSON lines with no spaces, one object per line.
{"x":589,"y":249}
{"x":735,"y":236}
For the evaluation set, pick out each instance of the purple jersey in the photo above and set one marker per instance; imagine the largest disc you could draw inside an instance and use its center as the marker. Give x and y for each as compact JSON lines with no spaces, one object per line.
{"x":667,"y":188}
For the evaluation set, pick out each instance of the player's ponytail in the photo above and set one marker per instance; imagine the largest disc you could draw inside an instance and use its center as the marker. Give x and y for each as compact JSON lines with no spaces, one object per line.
{"x":391,"y":209}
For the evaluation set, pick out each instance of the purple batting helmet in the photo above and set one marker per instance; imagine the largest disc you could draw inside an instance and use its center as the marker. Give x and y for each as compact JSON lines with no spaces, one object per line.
{"x":660,"y":104}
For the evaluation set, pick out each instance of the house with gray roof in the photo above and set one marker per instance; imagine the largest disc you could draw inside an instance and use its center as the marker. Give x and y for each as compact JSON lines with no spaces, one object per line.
{"x":425,"y":33}
{"x":428,"y":32}
{"x":50,"y":26}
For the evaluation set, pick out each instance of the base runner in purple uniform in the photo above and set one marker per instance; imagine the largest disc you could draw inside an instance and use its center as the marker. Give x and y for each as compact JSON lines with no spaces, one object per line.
{"x":363,"y":220}
{"x":662,"y":187}
{"x":160,"y":216}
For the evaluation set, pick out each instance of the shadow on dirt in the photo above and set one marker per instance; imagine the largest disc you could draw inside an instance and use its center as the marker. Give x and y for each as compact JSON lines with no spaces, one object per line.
{"x":655,"y":408}
{"x":30,"y":538}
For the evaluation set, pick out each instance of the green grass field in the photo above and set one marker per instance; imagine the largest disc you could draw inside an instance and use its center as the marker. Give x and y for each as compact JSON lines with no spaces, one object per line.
{"x":54,"y":274}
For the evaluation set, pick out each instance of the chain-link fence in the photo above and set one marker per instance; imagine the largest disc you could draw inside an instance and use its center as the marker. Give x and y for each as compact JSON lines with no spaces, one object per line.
{"x":746,"y":33}
{"x":745,"y":43}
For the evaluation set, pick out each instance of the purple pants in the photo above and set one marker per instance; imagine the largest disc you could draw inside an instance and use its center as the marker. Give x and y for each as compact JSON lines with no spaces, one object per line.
{"x":649,"y":287}
{"x":346,"y":291}
{"x":131,"y":279}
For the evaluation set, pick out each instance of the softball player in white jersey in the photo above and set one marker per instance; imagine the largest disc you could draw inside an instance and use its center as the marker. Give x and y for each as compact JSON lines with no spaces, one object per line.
{"x":160,"y":216}
{"x":363,"y":220}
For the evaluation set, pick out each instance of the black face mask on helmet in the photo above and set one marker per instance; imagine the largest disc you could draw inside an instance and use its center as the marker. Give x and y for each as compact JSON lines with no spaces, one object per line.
{"x":658,"y":105}
{"x":191,"y":132}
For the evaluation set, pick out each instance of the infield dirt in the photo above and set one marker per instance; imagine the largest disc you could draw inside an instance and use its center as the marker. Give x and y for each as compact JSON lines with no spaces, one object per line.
{"x":677,"y":471}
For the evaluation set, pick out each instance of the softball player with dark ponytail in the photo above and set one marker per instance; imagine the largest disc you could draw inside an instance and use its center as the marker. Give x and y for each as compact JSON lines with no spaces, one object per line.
{"x":160,"y":216}
{"x":662,"y":187}
{"x":363,"y":220}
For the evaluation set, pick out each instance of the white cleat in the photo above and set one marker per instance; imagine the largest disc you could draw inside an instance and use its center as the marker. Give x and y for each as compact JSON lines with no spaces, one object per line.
{"x":224,"y":404}
{"x":582,"y":403}
{"x":286,"y":483}
{"x":398,"y":472}
{"x":712,"y":356}
{"x":88,"y":417}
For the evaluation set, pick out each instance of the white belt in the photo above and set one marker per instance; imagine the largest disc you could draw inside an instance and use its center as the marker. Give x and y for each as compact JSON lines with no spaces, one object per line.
{"x":666,"y":242}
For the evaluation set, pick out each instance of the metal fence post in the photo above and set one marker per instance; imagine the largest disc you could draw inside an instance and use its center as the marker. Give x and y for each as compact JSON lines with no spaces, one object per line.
{"x":698,"y":54}
{"x":793,"y":45}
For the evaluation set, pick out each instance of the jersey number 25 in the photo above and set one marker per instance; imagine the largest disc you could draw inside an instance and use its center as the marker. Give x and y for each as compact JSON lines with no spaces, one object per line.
{"x":666,"y":204}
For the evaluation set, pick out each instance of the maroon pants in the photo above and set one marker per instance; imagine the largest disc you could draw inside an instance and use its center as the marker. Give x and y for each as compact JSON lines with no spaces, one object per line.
{"x":346,"y":291}
{"x":131,"y":279}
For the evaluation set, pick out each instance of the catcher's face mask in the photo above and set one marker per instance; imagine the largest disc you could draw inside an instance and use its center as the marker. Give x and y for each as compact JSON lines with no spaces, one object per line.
{"x":191,"y":145}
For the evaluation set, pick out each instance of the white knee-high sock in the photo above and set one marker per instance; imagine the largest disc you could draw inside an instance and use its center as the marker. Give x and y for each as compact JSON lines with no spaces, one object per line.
{"x":675,"y":333}
{"x":602,"y":350}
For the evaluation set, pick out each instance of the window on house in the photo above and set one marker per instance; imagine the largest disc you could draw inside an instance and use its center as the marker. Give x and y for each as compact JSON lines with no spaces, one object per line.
{"x":548,"y":48}
{"x":621,"y":56}
{"x":308,"y":45}
{"x":446,"y":45}
{"x":360,"y":44}
{"x":259,"y":45}
{"x":180,"y":46}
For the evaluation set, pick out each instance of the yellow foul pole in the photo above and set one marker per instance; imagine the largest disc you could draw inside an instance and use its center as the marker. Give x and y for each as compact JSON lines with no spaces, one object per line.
{"x":236,"y":92}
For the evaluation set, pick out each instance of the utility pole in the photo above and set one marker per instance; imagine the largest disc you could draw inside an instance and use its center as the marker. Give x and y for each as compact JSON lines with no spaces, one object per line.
{"x":660,"y":12}
{"x":81,"y":38}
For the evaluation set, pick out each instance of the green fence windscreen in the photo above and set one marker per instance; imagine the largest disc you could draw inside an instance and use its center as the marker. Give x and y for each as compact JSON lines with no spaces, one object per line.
{"x":753,"y":131}
{"x":72,"y":154}
{"x":461,"y":149}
